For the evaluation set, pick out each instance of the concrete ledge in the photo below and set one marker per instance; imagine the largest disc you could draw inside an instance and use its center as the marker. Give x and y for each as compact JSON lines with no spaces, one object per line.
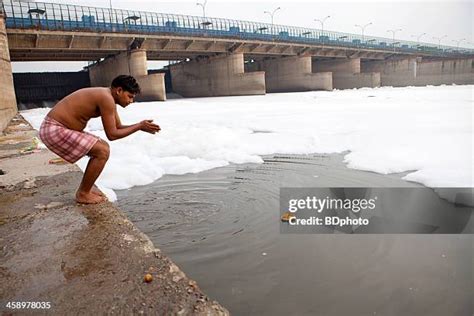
{"x":338,"y":65}
{"x":417,"y":72}
{"x":291,"y":74}
{"x":302,"y":82}
{"x":404,"y":81}
{"x":346,"y":73}
{"x":5,"y":116}
{"x":462,"y":78}
{"x":87,"y":260}
{"x":358,"y":80}
{"x":216,"y":76}
{"x":153,"y":87}
{"x":249,"y":83}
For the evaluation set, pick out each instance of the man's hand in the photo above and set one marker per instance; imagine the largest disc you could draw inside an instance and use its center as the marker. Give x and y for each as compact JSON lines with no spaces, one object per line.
{"x":149,"y":127}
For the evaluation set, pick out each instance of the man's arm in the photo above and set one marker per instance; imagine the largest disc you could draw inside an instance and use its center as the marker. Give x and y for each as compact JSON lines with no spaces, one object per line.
{"x":118,"y":123}
{"x":113,"y":127}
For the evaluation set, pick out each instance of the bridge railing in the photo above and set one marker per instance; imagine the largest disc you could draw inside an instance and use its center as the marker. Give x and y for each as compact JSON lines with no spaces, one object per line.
{"x":55,"y":16}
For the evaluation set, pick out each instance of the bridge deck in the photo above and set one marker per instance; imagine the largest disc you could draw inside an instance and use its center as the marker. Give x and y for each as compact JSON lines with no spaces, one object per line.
{"x":179,"y":36}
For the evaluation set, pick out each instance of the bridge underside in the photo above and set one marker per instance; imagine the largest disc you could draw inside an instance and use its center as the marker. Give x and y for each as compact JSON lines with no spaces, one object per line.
{"x":28,"y":45}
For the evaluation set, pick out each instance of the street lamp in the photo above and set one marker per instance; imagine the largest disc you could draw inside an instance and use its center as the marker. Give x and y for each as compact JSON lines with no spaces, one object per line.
{"x":362,"y":27}
{"x":203,"y":5}
{"x":418,"y":38}
{"x":272,"y":14}
{"x":393,"y":33}
{"x":322,"y":23}
{"x":393,"y":36}
{"x":111,"y":11}
{"x":439,"y":40}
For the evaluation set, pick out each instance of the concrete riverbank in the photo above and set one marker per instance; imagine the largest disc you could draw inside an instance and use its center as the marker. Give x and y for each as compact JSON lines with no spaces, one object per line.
{"x":77,"y":259}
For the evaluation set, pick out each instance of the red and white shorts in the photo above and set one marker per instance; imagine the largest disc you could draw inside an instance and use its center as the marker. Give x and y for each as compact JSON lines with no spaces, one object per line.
{"x":68,"y":144}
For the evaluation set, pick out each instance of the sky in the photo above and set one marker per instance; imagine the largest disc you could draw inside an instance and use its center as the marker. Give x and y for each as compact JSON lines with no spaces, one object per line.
{"x":453,"y":18}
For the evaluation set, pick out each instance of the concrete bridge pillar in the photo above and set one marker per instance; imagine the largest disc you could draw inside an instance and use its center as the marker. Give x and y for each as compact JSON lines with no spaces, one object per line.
{"x":8,"y":107}
{"x":419,"y":72}
{"x":346,"y":73}
{"x":221,"y":75}
{"x":133,"y":63}
{"x":396,"y":73}
{"x":436,"y":72}
{"x":291,"y":74}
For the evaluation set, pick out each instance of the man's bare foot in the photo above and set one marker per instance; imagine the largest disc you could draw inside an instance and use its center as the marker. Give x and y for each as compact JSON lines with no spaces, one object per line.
{"x":88,"y":198}
{"x":96,"y":191}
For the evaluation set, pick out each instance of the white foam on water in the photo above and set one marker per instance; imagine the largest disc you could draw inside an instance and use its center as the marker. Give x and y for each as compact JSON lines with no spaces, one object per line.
{"x":427,"y":130}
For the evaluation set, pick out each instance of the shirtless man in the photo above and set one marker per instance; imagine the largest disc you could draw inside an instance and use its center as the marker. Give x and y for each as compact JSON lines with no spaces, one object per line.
{"x":62,"y":129}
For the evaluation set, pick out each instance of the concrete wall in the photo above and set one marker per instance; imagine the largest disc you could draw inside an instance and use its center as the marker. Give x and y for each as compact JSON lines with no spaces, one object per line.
{"x":396,"y":73}
{"x":458,"y":71}
{"x":133,"y":63}
{"x":351,"y":81}
{"x":342,"y":65}
{"x":346,"y":73}
{"x":289,"y":74}
{"x":35,"y":88}
{"x":8,"y":107}
{"x":167,"y":73}
{"x":417,"y":72}
{"x":152,"y":87}
{"x":216,"y":76}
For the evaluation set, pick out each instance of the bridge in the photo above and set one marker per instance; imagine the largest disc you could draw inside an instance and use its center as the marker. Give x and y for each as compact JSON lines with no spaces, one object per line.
{"x":215,"y":56}
{"x":90,"y":33}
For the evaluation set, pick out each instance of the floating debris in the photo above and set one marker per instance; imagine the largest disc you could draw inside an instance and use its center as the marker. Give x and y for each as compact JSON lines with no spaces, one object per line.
{"x":286,"y":216}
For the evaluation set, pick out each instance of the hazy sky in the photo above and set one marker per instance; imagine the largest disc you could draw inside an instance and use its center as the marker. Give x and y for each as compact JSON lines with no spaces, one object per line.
{"x":453,"y":18}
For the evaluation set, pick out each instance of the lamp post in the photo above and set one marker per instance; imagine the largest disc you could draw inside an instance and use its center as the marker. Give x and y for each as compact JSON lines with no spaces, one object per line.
{"x":322,"y":23}
{"x":439,"y":40}
{"x":362,"y":27}
{"x":393,"y":33}
{"x":111,"y":11}
{"x":418,"y":38}
{"x":272,"y":14}
{"x":393,"y":36}
{"x":203,"y":5}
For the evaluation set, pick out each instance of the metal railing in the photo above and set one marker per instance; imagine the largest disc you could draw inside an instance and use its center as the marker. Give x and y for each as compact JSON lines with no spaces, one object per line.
{"x":55,"y":16}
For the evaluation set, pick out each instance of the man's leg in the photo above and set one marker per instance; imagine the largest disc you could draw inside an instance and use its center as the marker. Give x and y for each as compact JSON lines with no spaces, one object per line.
{"x":99,"y":156}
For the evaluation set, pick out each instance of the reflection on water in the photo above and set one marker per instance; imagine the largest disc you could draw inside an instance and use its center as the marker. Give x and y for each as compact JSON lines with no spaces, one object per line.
{"x":222,"y":227}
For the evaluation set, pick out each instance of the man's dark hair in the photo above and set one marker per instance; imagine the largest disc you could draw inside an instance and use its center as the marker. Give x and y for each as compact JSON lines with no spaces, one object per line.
{"x":127,"y":83}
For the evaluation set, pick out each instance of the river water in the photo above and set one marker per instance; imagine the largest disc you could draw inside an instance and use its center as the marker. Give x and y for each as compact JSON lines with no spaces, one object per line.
{"x":222,"y":228}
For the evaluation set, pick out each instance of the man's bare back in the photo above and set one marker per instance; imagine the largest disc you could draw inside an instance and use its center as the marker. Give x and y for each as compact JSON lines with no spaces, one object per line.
{"x":76,"y":109}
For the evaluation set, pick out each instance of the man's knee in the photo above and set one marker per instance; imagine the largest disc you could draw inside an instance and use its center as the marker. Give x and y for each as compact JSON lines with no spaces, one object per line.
{"x":105,"y":150}
{"x":100,"y":150}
